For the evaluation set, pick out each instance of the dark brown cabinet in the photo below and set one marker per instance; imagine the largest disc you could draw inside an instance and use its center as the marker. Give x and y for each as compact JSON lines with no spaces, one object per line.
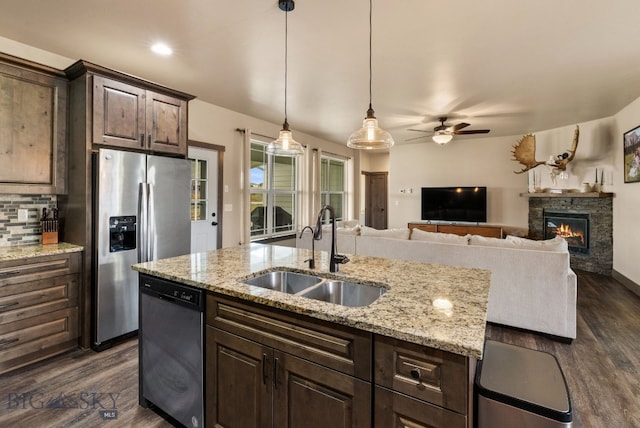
{"x":267,"y":376}
{"x":429,"y":387}
{"x":132,"y":117}
{"x":33,"y":128}
{"x":38,"y":308}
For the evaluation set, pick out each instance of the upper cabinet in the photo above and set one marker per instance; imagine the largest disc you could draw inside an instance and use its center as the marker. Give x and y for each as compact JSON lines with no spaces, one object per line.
{"x":33,"y":128}
{"x":130,"y":113}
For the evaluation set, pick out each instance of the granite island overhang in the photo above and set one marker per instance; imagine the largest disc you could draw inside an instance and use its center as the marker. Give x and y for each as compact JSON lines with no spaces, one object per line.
{"x":439,"y":306}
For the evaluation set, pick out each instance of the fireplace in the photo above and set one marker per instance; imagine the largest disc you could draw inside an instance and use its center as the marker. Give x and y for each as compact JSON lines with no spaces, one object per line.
{"x":573,"y":226}
{"x":582,"y":214}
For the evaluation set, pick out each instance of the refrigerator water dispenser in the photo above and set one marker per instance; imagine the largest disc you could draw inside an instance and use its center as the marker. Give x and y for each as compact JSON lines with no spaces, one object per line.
{"x":122,"y":233}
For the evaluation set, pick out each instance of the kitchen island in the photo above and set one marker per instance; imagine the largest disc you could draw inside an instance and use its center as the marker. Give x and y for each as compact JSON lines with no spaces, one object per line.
{"x":409,"y":356}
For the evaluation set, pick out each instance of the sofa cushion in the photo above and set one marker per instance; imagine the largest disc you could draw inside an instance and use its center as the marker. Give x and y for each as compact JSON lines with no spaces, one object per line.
{"x":451,"y":238}
{"x":348,"y":230}
{"x":399,"y":233}
{"x":491,"y":242}
{"x":348,"y":223}
{"x":556,"y":244}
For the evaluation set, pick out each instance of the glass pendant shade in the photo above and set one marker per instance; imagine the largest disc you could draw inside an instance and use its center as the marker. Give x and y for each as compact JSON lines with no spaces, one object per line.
{"x":370,"y":136}
{"x":442,"y":138}
{"x":285,"y":145}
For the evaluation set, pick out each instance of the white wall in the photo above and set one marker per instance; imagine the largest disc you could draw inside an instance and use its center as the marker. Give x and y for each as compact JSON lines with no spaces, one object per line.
{"x":489,"y":162}
{"x":626,"y":204}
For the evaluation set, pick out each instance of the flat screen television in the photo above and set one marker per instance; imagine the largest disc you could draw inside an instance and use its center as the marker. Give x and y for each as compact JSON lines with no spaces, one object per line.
{"x":454,"y":204}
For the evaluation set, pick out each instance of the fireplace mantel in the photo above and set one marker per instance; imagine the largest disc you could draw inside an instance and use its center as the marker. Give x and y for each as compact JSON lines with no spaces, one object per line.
{"x":568,"y":195}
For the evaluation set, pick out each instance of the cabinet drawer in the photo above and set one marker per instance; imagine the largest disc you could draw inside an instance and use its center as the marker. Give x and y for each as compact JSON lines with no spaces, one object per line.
{"x":425,"y":373}
{"x":35,"y":338}
{"x":338,"y":347}
{"x":29,"y":299}
{"x":33,"y":269}
{"x":396,"y":410}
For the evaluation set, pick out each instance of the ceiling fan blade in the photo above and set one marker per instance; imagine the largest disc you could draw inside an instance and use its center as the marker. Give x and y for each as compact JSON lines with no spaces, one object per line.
{"x":417,"y":138}
{"x":459,"y":126}
{"x":421,"y":130}
{"x":474,"y":131}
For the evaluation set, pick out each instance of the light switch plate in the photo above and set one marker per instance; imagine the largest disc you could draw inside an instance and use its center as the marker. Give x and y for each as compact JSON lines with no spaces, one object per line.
{"x":23,"y":214}
{"x":228,"y":207}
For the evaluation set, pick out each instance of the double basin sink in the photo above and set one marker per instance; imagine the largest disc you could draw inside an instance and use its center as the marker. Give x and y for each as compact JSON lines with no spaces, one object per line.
{"x":335,"y":291}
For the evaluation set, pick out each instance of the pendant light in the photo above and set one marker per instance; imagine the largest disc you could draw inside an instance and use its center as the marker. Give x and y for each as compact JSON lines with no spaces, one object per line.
{"x":370,"y":136}
{"x":285,"y":145}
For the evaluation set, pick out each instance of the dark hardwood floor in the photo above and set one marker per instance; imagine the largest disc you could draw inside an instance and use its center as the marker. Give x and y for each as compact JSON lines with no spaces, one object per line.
{"x":82,"y":389}
{"x":602,"y":366}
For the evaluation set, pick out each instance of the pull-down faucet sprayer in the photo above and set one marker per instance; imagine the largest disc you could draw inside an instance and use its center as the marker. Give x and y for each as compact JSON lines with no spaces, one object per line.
{"x":335,"y":259}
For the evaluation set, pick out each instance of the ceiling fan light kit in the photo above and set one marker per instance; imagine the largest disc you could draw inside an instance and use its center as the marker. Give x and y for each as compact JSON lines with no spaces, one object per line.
{"x":370,"y":136}
{"x":285,"y":145}
{"x":442,"y":137}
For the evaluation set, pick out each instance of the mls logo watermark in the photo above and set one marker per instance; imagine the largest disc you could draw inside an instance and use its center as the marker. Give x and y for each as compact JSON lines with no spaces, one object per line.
{"x":104,"y":402}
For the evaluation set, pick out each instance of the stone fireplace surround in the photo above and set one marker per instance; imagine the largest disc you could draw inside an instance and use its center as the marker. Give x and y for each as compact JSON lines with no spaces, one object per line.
{"x":600,"y":209}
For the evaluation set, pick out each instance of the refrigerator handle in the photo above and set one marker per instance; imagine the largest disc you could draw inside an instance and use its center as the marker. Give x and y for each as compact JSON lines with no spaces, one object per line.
{"x":151,"y":225}
{"x":143,"y":218}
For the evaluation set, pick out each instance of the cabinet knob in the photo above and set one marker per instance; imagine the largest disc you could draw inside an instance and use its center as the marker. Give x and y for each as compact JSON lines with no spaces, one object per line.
{"x":415,"y":373}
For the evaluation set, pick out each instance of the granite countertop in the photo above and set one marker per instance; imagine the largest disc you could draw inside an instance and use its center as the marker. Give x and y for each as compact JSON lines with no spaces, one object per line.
{"x":440,"y":306}
{"x":17,"y":252}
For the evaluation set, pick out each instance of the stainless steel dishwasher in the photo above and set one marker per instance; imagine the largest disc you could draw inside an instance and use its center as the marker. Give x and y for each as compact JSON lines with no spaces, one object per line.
{"x":171,"y":354}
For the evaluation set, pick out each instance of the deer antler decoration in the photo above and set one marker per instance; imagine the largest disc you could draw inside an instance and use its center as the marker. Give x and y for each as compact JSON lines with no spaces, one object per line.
{"x":525,"y":153}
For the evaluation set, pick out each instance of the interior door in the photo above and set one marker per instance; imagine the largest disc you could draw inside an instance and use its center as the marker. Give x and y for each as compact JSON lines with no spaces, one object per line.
{"x":376,"y":196}
{"x":205,"y":217}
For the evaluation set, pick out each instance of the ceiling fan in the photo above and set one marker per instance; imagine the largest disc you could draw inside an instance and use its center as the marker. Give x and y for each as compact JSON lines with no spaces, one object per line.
{"x":443,"y":133}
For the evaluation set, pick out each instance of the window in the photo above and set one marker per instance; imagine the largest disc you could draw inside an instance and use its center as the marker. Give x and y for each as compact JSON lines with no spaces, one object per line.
{"x":273,"y":193}
{"x":198,"y":189}
{"x":333,"y":184}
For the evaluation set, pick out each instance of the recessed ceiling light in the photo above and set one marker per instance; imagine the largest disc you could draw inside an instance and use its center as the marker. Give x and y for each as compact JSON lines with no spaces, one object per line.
{"x":161,"y":49}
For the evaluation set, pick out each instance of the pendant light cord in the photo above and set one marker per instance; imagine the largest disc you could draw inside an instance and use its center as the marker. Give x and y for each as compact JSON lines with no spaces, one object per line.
{"x":286,"y":55}
{"x":370,"y":49}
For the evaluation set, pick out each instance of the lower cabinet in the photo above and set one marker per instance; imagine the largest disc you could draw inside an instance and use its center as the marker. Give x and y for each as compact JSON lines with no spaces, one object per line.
{"x":38,"y":308}
{"x":396,"y":410}
{"x":252,"y":385}
{"x":271,"y":368}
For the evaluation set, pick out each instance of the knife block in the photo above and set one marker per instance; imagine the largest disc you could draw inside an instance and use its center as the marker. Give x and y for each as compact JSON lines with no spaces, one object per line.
{"x":50,"y":231}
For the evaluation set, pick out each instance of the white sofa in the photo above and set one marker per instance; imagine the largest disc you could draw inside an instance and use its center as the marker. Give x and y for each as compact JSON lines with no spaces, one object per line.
{"x":532,"y":284}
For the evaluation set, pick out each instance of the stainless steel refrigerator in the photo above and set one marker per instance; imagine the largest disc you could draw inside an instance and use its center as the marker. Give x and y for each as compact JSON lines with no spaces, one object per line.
{"x":142,"y":209}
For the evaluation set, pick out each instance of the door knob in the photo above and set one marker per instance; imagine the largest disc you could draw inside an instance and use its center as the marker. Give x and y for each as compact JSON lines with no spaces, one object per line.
{"x":214,"y":223}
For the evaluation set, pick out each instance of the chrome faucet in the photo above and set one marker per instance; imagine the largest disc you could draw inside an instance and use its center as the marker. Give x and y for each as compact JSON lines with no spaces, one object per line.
{"x":335,"y":259}
{"x":312,"y":260}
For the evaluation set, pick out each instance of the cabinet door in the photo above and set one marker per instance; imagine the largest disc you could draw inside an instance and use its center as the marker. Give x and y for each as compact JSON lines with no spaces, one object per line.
{"x":118,"y":114}
{"x":395,"y":410}
{"x":239,"y":382}
{"x":311,"y":396}
{"x":166,"y":124}
{"x":33,"y":120}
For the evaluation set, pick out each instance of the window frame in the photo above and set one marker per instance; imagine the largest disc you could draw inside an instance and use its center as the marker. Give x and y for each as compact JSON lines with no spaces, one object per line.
{"x":270,"y":193}
{"x":325,"y":195}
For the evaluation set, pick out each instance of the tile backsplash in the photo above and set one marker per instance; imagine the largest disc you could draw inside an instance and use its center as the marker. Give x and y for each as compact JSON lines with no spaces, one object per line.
{"x":14,"y":232}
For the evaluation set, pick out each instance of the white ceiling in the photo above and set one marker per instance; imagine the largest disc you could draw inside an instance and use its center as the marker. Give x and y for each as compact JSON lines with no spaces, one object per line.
{"x":511,"y":66}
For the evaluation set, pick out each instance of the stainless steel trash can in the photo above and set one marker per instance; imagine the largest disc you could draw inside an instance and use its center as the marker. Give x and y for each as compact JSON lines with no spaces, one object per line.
{"x":521,"y":388}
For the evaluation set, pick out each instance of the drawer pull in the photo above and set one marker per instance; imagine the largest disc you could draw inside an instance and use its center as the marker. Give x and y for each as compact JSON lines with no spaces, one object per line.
{"x":265,"y":363}
{"x":415,"y":374}
{"x":5,"y":343}
{"x":275,"y":373}
{"x":8,"y":305}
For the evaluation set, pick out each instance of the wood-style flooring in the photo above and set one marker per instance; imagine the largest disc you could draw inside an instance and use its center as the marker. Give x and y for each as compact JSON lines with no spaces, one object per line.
{"x":601,"y":366}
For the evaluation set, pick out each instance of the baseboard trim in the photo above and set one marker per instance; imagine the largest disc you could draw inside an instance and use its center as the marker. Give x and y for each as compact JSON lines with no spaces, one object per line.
{"x":631,"y":285}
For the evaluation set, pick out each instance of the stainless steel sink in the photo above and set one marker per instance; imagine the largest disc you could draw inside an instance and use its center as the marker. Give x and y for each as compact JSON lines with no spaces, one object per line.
{"x":344,"y":293}
{"x":287,"y":282}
